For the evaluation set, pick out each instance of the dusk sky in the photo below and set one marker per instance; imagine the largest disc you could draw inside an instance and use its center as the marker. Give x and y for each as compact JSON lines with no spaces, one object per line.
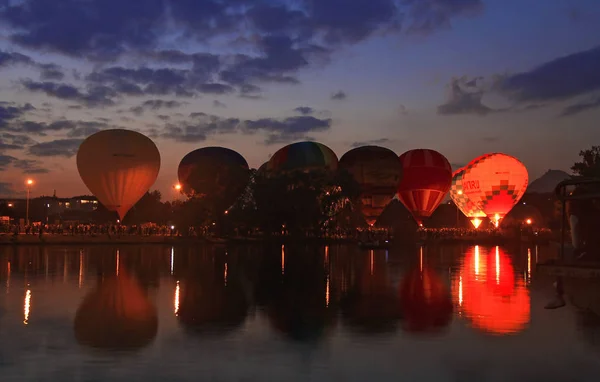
{"x":463,"y":77}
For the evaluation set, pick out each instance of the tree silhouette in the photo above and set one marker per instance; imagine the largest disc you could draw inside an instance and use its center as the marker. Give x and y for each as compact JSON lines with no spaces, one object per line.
{"x":589,"y":166}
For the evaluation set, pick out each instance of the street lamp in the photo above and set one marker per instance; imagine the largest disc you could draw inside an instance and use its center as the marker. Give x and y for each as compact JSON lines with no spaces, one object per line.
{"x":28,"y":184}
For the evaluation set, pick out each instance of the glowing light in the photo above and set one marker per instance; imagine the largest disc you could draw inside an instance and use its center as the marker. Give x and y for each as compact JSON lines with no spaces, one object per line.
{"x":226,"y":212}
{"x":326,"y":255}
{"x":282,"y":259}
{"x":176,"y":300}
{"x":225,"y":274}
{"x":496,"y":220}
{"x":172,"y":259}
{"x":371,"y":254}
{"x":459,"y":192}
{"x":177,"y":186}
{"x":10,"y":204}
{"x":173,"y":227}
{"x":497,"y":266}
{"x":460,"y":291}
{"x":27,"y":307}
{"x":29,"y":182}
{"x":476,"y":261}
{"x":80,"y":281}
{"x":421,"y":258}
{"x":529,"y":263}
{"x":528,"y":221}
{"x":476,"y":222}
{"x":327,"y":292}
{"x":118,"y":255}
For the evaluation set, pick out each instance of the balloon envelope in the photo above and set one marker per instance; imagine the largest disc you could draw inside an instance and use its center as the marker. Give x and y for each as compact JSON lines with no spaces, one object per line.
{"x":377,"y":170}
{"x":462,"y":201}
{"x":118,"y":166}
{"x":426,"y":178}
{"x":495,"y":183}
{"x":214,"y":172}
{"x":303,"y":156}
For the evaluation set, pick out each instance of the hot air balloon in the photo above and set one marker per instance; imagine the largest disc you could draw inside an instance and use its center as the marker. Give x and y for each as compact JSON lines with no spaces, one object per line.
{"x":118,"y":166}
{"x":377,"y":170}
{"x":303,"y":156}
{"x":426,"y":301}
{"x":462,"y":201}
{"x":495,"y":183}
{"x":116,"y":315}
{"x":217,"y":173}
{"x":487,"y":293}
{"x":426,"y":178}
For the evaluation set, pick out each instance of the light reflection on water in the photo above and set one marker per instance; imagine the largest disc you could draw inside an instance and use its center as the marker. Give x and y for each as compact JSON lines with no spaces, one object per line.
{"x":288,"y":313}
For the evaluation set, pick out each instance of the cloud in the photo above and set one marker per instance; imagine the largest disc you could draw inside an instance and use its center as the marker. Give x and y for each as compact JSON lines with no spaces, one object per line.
{"x":14,"y":142}
{"x":156,"y":104}
{"x":202,"y":126}
{"x":560,"y":79}
{"x":581,"y":107}
{"x":96,"y":96}
{"x":304,"y":110}
{"x":425,"y":16}
{"x":6,"y":189}
{"x":374,"y":142}
{"x":6,"y":160}
{"x":13,"y":58}
{"x":29,"y":166}
{"x":9,"y":112}
{"x":217,"y":103}
{"x":340,"y":95}
{"x":59,"y":147}
{"x":51,"y":72}
{"x":464,"y":97}
{"x":287,"y":129}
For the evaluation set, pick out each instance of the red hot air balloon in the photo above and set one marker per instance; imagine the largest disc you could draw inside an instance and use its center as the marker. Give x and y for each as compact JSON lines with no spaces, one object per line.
{"x":462,"y":201}
{"x":426,"y":178}
{"x":495,"y":183}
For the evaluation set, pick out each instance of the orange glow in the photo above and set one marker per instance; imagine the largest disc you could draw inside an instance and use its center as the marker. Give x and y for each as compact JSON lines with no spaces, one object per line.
{"x":528,"y":221}
{"x":495,"y":183}
{"x":491,"y":299}
{"x":176,"y":301}
{"x":29,"y":182}
{"x":10,"y":204}
{"x":476,"y":222}
{"x":27,"y":306}
{"x":282,"y":259}
{"x":177,"y":186}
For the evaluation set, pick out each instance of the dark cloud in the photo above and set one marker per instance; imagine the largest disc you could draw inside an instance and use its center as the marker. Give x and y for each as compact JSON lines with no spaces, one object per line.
{"x":163,"y":117}
{"x":560,"y":79}
{"x":217,"y":103}
{"x":9,"y":112}
{"x":96,"y":96}
{"x":465,"y":97}
{"x":13,"y":58}
{"x":6,"y":160}
{"x":51,"y":72}
{"x":29,"y":166}
{"x":73,"y":128}
{"x":374,"y":142}
{"x":581,"y":107}
{"x":304,"y":110}
{"x":288,"y":129}
{"x":156,"y":104}
{"x":14,"y":142}
{"x":6,"y":189}
{"x":59,"y":147}
{"x":202,"y":126}
{"x":425,"y":16}
{"x":8,"y":146}
{"x":340,"y":95}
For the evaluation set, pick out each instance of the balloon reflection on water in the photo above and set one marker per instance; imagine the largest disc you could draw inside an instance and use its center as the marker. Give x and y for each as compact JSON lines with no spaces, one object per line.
{"x":116,"y":315}
{"x":488,"y":293}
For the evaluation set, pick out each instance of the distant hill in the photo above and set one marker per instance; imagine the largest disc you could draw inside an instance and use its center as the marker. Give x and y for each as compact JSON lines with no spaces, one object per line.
{"x":547,"y":182}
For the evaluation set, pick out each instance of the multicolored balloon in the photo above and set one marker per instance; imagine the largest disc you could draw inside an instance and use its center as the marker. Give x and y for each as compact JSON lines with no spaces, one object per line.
{"x":218,"y":173}
{"x":462,"y":201}
{"x":426,"y":178}
{"x":303,"y":156}
{"x":495,"y":183}
{"x":377,"y":171}
{"x":118,"y":166}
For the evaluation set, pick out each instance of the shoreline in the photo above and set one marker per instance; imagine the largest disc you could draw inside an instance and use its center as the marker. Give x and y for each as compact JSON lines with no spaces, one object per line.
{"x":50,"y":239}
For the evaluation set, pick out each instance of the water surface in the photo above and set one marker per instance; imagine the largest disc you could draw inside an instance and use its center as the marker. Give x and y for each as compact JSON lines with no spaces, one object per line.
{"x":251,"y":313}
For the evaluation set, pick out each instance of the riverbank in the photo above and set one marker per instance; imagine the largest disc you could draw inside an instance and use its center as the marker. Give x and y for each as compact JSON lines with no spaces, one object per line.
{"x":53,"y":239}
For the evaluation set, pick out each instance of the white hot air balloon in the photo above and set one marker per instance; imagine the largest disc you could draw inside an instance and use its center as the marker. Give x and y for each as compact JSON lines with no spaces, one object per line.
{"x":118,"y":166}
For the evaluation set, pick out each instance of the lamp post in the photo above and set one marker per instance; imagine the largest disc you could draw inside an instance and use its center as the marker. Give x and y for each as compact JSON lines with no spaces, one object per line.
{"x":28,"y":183}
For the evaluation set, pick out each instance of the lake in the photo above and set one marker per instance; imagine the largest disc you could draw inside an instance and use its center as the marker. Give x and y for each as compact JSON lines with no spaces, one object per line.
{"x":287,"y":313}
